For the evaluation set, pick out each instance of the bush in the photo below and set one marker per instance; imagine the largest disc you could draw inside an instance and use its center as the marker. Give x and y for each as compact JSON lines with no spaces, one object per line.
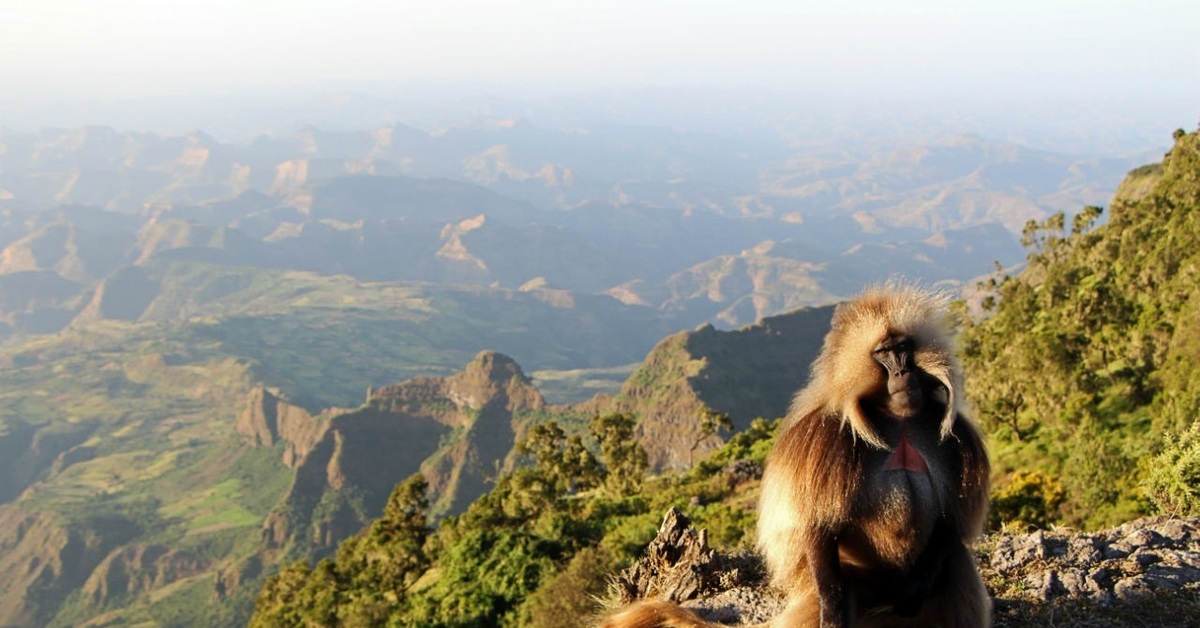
{"x":1030,"y":499}
{"x":571,"y":596}
{"x":1174,"y":480}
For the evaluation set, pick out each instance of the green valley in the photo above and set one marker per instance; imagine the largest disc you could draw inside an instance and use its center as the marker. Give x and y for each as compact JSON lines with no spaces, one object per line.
{"x":124,"y":478}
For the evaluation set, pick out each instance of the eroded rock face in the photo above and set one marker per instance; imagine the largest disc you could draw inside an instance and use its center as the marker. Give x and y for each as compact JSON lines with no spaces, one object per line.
{"x":43,"y":561}
{"x":456,"y":430}
{"x":265,"y":419}
{"x":137,"y":569}
{"x":679,"y":566}
{"x":1143,"y":573}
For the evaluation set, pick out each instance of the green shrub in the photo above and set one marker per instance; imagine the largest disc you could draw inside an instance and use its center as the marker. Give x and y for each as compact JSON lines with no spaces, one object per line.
{"x":1174,"y":480}
{"x":1030,"y":499}
{"x":570,"y":597}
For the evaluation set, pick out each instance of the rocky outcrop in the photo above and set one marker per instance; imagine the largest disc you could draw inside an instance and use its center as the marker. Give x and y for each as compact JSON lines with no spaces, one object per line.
{"x":1143,"y":573}
{"x":1107,"y":574}
{"x":491,"y":378}
{"x":266,"y":419}
{"x":135,"y":569}
{"x":456,"y":430}
{"x":678,"y":565}
{"x":483,"y":403}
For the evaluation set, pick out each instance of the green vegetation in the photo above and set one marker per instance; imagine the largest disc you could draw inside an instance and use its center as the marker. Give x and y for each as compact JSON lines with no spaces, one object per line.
{"x":1030,"y":499}
{"x":575,"y":385}
{"x":537,"y":549}
{"x":368,"y":577}
{"x":1087,"y":359}
{"x":1173,"y":482}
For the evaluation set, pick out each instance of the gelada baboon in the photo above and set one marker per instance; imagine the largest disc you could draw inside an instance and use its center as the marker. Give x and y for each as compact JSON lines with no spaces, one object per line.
{"x":877,"y":483}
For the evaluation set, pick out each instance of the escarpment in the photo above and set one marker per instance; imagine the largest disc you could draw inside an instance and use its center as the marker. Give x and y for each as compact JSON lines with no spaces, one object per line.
{"x":455,"y":430}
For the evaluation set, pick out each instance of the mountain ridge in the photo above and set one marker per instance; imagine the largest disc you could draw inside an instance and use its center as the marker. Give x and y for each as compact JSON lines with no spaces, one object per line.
{"x":383,"y":204}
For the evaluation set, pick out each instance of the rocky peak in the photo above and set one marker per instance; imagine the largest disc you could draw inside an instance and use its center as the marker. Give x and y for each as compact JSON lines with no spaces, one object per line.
{"x":490,"y":379}
{"x":456,"y":430}
{"x":493,"y":366}
{"x":266,"y":419}
{"x":493,"y":377}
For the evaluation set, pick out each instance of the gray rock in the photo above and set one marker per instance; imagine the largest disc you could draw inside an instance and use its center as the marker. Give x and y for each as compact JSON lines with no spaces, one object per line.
{"x":1104,"y":570}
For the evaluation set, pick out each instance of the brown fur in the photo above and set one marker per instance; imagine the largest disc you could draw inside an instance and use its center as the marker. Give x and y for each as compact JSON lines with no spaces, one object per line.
{"x":656,"y":614}
{"x":851,"y":543}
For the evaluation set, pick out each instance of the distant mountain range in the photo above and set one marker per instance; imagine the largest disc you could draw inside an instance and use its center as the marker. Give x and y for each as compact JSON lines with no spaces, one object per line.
{"x":707,"y":227}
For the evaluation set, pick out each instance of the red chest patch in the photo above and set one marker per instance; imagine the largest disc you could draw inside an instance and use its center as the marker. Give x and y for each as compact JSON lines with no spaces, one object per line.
{"x":905,"y":457}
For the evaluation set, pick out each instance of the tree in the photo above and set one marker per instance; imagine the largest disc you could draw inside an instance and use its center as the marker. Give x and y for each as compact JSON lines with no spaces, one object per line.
{"x":1082,"y":362}
{"x":299,"y":596}
{"x":367,"y":580}
{"x":1029,"y":499}
{"x":391,"y":555}
{"x":711,"y":422}
{"x":565,"y":463}
{"x":623,"y":456}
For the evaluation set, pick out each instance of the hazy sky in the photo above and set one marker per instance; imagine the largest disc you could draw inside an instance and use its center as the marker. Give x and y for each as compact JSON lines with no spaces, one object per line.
{"x":148,"y":47}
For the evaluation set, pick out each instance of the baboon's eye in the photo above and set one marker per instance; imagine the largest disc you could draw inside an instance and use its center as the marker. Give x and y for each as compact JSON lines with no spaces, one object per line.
{"x":902,"y":345}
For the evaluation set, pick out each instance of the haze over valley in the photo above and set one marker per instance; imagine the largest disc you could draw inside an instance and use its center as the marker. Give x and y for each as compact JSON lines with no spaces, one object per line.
{"x":260,"y":264}
{"x":700,"y":226}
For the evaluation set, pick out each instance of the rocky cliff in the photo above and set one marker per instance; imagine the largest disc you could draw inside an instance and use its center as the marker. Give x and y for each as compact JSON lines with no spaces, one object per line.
{"x":266,"y":419}
{"x":456,"y":430}
{"x":136,"y":569}
{"x":47,"y":559}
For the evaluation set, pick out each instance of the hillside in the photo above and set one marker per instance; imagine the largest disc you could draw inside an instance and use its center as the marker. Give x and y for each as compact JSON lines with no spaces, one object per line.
{"x":456,"y":430}
{"x":215,"y":356}
{"x":1084,"y":365}
{"x":459,"y":431}
{"x":212,"y":448}
{"x":555,"y":542}
{"x":747,"y":373}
